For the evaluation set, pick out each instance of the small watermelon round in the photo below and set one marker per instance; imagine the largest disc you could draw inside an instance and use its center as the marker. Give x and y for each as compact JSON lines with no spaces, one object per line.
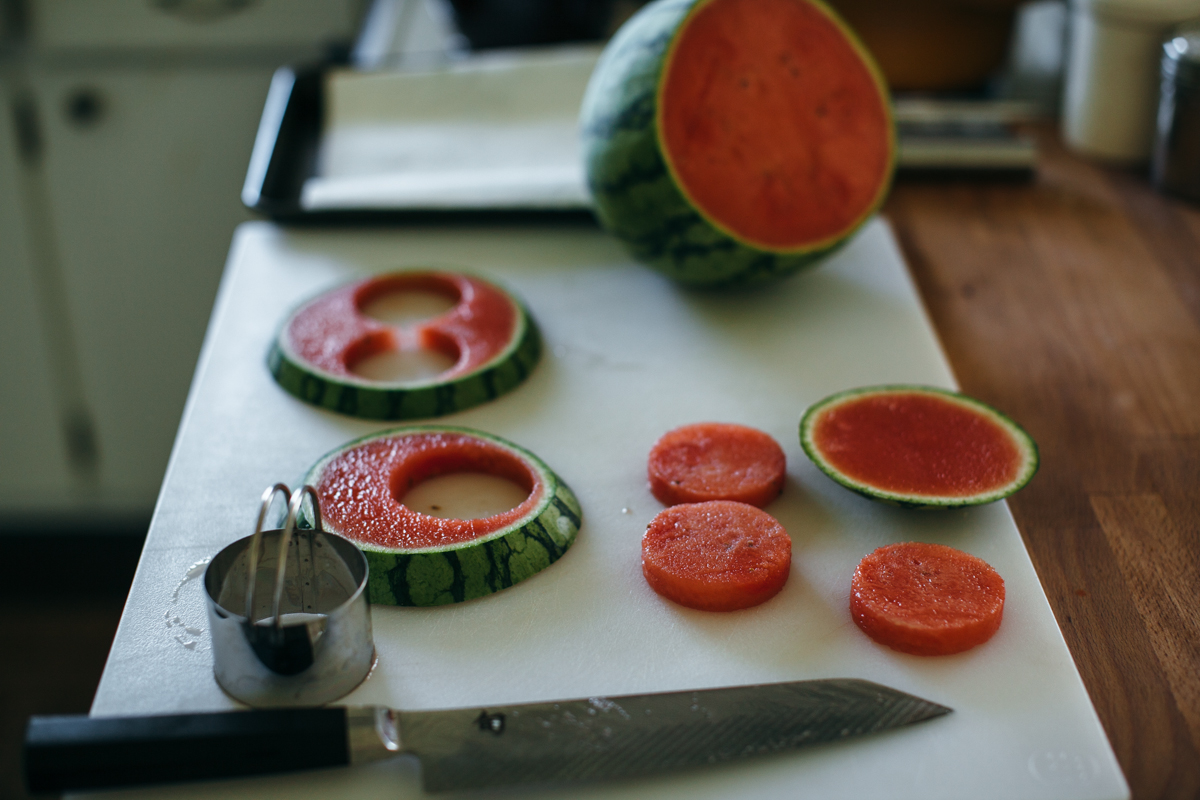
{"x":420,"y":560}
{"x":918,"y":446}
{"x":736,"y":141}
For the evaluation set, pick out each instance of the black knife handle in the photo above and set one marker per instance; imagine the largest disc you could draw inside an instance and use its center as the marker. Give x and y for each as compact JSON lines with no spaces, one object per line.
{"x":78,"y":752}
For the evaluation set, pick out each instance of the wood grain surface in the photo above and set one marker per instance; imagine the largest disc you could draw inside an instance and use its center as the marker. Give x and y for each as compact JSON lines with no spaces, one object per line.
{"x":1073,"y":304}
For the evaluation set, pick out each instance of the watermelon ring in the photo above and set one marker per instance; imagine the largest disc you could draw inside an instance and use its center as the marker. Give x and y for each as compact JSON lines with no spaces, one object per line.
{"x":490,"y":336}
{"x":420,"y":560}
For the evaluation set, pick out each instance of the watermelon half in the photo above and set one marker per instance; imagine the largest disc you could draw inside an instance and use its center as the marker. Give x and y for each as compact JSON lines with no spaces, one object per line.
{"x":420,"y":560}
{"x":918,"y":446}
{"x":489,"y":336}
{"x":736,"y":141}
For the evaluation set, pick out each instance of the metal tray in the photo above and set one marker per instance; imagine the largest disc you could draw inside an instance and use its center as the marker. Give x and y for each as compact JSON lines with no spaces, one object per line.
{"x":292,"y":132}
{"x":407,"y":127}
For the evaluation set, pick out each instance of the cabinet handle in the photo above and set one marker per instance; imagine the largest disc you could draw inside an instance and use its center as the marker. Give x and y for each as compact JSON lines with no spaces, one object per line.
{"x":84,"y":106}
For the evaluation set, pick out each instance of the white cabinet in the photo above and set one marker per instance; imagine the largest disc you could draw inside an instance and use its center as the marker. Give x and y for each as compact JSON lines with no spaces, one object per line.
{"x":146,"y":112}
{"x":34,"y":475}
{"x":144,"y":197}
{"x":258,"y":25}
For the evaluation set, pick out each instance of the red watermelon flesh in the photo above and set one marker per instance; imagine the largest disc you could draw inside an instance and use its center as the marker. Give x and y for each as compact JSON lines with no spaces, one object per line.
{"x":916,"y":443}
{"x":775,"y":123}
{"x":362,"y":489}
{"x":332,"y":334}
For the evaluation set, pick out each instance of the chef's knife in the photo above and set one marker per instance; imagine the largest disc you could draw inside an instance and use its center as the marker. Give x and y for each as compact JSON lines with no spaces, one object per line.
{"x":585,"y":739}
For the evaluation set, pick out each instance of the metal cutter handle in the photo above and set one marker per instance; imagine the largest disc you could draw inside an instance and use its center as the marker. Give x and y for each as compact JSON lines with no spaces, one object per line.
{"x":295,"y":504}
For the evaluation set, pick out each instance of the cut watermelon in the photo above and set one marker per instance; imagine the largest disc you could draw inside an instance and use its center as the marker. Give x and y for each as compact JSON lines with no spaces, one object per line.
{"x":926,"y":599}
{"x":918,"y":446}
{"x":716,"y":461}
{"x":736,"y":141}
{"x":491,"y":339}
{"x":716,"y":556}
{"x":420,"y":560}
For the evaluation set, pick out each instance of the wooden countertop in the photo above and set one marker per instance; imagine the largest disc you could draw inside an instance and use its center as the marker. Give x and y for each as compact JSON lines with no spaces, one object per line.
{"x":1073,"y":304}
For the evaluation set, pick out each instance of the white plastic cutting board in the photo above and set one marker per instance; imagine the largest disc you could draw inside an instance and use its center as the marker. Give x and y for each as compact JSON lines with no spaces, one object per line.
{"x":628,"y":356}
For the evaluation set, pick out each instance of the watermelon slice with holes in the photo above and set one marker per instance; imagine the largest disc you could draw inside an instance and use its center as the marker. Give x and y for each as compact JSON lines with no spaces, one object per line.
{"x":918,"y":446}
{"x":736,"y":141}
{"x":420,"y":560}
{"x":487,"y":334}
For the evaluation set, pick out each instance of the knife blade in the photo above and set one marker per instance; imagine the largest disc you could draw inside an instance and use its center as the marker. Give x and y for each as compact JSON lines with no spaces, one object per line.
{"x":571,"y":740}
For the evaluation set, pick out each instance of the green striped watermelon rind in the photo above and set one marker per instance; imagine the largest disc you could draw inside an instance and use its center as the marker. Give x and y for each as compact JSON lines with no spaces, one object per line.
{"x":1030,"y":457}
{"x":633,"y":191}
{"x":435,"y":576}
{"x":366,"y":399}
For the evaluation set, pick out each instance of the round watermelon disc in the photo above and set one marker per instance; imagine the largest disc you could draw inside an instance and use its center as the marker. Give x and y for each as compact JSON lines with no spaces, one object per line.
{"x":918,"y":446}
{"x":420,"y":560}
{"x":491,"y":338}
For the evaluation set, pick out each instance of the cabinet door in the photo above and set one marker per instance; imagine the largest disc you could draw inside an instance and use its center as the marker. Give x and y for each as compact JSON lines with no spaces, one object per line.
{"x":144,"y":168}
{"x":34,"y":475}
{"x":301,"y":27}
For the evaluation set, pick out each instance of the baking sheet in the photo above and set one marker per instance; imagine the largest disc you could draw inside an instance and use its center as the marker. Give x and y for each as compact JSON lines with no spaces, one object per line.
{"x":497,"y":134}
{"x":628,"y":356}
{"x":492,"y":131}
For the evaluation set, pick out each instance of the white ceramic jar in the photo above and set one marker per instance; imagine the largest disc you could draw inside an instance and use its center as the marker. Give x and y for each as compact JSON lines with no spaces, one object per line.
{"x":1111,"y":92}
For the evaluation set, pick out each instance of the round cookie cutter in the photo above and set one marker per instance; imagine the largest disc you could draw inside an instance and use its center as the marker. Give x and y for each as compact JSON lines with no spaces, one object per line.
{"x":288,"y":611}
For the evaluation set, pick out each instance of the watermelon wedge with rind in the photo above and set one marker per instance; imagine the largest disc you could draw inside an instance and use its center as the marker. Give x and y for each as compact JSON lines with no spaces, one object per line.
{"x":918,"y":446}
{"x":489,"y":333}
{"x":419,"y":560}
{"x":736,"y":141}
